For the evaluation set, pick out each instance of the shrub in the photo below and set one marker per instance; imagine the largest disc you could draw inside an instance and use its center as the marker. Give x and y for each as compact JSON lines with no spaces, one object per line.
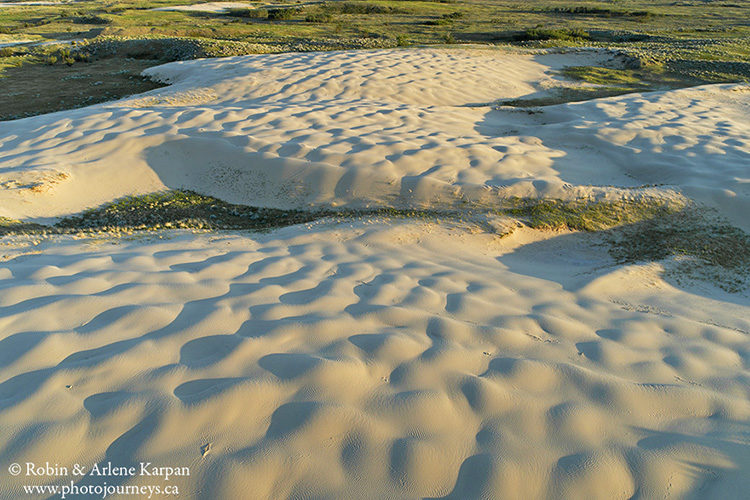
{"x":553,"y":34}
{"x":90,"y":20}
{"x":360,"y":8}
{"x":281,"y":14}
{"x":319,"y":17}
{"x":597,"y":11}
{"x":247,"y":13}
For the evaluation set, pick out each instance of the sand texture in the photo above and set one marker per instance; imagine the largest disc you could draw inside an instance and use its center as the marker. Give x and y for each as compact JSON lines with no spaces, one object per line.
{"x":216,"y":7}
{"x":394,"y":127}
{"x":373,"y":358}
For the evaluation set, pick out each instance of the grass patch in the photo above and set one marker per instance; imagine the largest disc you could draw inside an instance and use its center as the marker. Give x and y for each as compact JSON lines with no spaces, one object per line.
{"x":646,"y":77}
{"x":247,"y":13}
{"x":361,"y":8}
{"x":565,"y":95}
{"x":603,"y":76}
{"x":587,"y":215}
{"x":706,"y":247}
{"x":703,"y":244}
{"x":606,"y":82}
{"x":187,"y":209}
{"x":282,"y":14}
{"x":182,"y":209}
{"x":544,"y":34}
{"x":62,"y":79}
{"x":583,"y":10}
{"x":13,"y":226}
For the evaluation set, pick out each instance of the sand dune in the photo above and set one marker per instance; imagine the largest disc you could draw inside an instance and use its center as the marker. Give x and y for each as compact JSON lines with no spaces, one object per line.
{"x":396,"y":127}
{"x":371,"y":358}
{"x":216,"y":7}
{"x":375,"y":361}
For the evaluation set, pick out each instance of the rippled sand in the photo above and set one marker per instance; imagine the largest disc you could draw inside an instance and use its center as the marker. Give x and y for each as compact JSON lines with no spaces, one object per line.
{"x":373,"y":358}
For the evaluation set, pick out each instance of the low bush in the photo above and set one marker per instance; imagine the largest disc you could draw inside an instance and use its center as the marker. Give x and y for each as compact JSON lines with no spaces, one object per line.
{"x":319,"y":17}
{"x":553,"y":34}
{"x":360,"y":8}
{"x":89,"y":20}
{"x":247,"y":13}
{"x":598,"y":11}
{"x":281,"y":14}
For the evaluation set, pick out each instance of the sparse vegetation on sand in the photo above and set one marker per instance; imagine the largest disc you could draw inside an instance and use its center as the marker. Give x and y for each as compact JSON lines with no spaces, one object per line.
{"x":648,"y":229}
{"x":588,"y":215}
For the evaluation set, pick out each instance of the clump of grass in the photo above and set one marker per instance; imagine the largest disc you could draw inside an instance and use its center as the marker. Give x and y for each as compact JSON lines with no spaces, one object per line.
{"x":445,"y":19}
{"x":603,"y":76}
{"x":360,"y":8}
{"x":543,"y":34}
{"x":282,"y":14}
{"x":67,"y":56}
{"x":13,"y":226}
{"x":182,"y":209}
{"x":598,"y":11}
{"x":319,"y":17}
{"x":89,"y":19}
{"x":587,"y":215}
{"x":688,"y":233}
{"x":247,"y":13}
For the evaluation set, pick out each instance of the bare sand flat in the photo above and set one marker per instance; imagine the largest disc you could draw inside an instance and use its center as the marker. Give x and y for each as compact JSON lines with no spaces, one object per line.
{"x":29,"y":4}
{"x":372,"y":358}
{"x":216,"y":7}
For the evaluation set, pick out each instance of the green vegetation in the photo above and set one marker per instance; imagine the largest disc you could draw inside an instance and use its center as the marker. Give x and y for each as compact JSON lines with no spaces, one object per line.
{"x":13,"y":226}
{"x":706,"y":247}
{"x":248,"y":13}
{"x":566,"y":34}
{"x":598,"y":11}
{"x":607,"y":82}
{"x":187,"y":209}
{"x":181,"y":209}
{"x":588,"y":215}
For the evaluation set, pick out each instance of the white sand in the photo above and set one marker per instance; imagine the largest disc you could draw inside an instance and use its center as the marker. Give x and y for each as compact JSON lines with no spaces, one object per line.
{"x":29,"y":4}
{"x":10,"y":42}
{"x":375,"y":361}
{"x":369,"y":359}
{"x":217,"y":7}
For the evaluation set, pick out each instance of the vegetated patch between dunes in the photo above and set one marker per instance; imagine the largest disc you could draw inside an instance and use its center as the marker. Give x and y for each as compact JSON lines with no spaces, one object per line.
{"x":645,"y":229}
